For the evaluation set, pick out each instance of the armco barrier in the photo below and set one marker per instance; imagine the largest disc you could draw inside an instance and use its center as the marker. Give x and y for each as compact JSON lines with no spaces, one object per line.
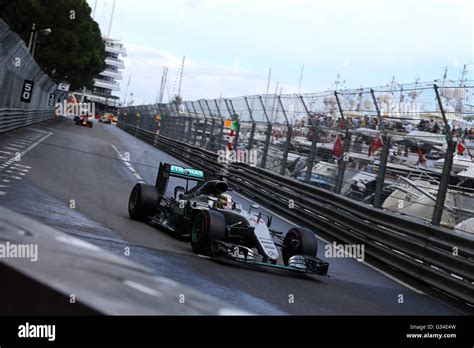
{"x":15,"y":118}
{"x":99,"y":282}
{"x":27,"y":94}
{"x":440,"y":258}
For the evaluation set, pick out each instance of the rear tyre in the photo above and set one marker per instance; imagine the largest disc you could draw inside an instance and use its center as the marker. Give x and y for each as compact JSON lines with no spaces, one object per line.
{"x":207,"y":225}
{"x":143,"y":202}
{"x":299,"y":241}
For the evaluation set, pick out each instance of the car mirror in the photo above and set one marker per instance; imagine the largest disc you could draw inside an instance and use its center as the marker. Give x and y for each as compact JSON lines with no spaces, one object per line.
{"x":238,"y":206}
{"x":211,"y":201}
{"x":253,"y":206}
{"x":177,"y":189}
{"x":269,"y":221}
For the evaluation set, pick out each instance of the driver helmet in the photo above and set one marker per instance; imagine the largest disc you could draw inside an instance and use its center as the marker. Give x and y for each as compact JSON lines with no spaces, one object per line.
{"x":224,"y":201}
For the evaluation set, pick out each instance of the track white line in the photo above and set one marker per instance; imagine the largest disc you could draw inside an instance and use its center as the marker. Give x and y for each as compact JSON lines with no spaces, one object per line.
{"x":11,"y":176}
{"x":13,"y":169}
{"x":19,"y":169}
{"x":203,"y":256}
{"x":22,"y":165}
{"x":32,"y":146}
{"x":13,"y":172}
{"x":128,"y":165}
{"x":418,"y":291}
{"x":14,"y":147}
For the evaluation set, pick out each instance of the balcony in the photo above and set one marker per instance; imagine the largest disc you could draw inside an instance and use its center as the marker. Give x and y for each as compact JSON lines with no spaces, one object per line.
{"x":115,"y":62}
{"x":114,"y":86}
{"x":115,"y":49}
{"x":112,"y":73}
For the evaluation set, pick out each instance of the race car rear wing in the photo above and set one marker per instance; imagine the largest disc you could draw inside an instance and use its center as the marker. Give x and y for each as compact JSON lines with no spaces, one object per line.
{"x":167,"y":170}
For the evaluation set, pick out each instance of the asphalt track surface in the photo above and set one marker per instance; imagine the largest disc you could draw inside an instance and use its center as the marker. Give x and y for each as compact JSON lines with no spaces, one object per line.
{"x":74,"y":179}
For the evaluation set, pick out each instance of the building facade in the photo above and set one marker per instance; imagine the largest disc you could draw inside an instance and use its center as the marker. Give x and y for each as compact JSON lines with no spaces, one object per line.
{"x":106,"y":84}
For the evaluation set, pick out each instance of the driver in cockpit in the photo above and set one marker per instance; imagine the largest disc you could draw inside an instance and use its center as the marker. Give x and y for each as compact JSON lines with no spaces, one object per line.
{"x":224,"y":201}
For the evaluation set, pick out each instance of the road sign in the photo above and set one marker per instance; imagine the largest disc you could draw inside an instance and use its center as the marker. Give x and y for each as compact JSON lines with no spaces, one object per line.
{"x":51,"y":99}
{"x":27,"y":91}
{"x":63,"y":86}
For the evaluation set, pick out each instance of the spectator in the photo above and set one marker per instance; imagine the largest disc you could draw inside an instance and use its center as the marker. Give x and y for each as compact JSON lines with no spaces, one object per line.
{"x":431,"y":125}
{"x":356,"y":122}
{"x":426,"y":126}
{"x":368,"y":168}
{"x":375,"y":123}
{"x":421,"y":125}
{"x":358,"y":145}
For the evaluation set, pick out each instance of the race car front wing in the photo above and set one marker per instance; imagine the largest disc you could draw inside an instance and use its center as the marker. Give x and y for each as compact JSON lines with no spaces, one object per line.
{"x":228,"y":252}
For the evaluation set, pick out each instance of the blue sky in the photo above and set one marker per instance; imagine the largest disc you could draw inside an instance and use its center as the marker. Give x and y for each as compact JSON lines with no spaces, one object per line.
{"x":230,"y":44}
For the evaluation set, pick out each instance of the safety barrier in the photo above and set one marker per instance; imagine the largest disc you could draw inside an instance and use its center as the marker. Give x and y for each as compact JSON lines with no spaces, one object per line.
{"x":440,"y":258}
{"x":15,"y":118}
{"x":27,"y":94}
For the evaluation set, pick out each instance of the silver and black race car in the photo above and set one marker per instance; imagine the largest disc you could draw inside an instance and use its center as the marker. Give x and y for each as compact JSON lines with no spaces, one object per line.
{"x":218,"y":227}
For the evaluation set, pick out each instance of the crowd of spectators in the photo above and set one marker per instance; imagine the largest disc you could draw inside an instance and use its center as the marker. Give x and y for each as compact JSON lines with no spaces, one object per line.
{"x":456,"y":131}
{"x":372,"y":122}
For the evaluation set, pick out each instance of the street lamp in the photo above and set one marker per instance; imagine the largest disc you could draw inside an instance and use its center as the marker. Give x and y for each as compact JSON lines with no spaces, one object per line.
{"x":34,"y":36}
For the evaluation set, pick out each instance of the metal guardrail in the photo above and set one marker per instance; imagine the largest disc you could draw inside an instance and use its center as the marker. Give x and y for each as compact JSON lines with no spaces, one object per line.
{"x":27,"y":95}
{"x":15,"y":118}
{"x":435,"y":256}
{"x":99,"y":282}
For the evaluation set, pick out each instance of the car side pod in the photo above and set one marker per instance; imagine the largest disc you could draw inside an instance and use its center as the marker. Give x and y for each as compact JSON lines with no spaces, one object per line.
{"x":233,"y":251}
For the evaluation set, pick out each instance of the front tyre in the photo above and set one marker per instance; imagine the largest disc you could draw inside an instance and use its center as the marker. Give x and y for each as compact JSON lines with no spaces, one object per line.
{"x":299,"y":241}
{"x":207,"y":225}
{"x":143,"y":202}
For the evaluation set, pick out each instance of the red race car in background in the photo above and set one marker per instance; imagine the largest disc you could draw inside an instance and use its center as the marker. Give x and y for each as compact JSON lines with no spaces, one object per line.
{"x":83,"y":121}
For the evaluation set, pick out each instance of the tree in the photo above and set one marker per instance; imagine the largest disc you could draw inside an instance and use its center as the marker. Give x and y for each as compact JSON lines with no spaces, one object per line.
{"x":177,"y":99}
{"x":74,"y":51}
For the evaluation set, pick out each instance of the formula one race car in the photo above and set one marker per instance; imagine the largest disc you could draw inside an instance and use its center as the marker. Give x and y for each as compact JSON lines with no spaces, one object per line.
{"x":218,"y":227}
{"x":105,"y":119}
{"x":83,"y":121}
